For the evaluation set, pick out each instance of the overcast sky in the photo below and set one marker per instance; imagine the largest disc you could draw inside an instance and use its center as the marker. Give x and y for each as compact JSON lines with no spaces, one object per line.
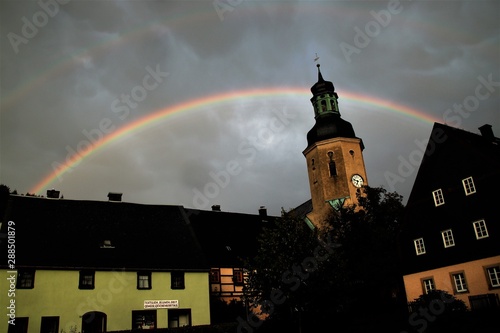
{"x":75,"y":71}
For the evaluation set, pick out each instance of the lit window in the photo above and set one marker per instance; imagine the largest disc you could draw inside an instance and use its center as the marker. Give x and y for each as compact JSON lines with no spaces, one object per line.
{"x":494,"y":276}
{"x":428,"y":285}
{"x":25,"y":279}
{"x":459,"y":282}
{"x":438,"y":197}
{"x":143,"y":280}
{"x":480,"y":229}
{"x":448,"y":238}
{"x":469,"y":187}
{"x":177,"y":280}
{"x":419,"y":246}
{"x":86,"y":280}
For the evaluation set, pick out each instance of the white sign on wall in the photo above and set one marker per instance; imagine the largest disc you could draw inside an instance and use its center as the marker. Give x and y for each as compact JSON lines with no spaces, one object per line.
{"x":161,"y":304}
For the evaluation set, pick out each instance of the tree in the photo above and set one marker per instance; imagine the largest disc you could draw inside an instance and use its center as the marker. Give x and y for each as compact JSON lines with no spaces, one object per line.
{"x":284,"y":270}
{"x":4,"y":198}
{"x":369,"y":234}
{"x":330,"y":275}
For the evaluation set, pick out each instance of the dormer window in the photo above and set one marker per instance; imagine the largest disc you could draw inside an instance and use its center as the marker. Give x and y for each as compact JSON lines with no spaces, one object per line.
{"x":106,"y":244}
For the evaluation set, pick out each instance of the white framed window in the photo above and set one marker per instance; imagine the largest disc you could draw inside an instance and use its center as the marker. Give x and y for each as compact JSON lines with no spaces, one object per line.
{"x":493,"y":276}
{"x":459,"y":282}
{"x":448,"y":238}
{"x":419,"y":246}
{"x":428,"y":285}
{"x":480,"y":229}
{"x":143,"y":280}
{"x":438,"y":197}
{"x":469,"y":187}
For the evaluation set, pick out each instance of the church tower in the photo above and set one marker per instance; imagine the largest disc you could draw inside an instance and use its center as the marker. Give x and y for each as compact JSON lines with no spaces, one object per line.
{"x":334,"y":156}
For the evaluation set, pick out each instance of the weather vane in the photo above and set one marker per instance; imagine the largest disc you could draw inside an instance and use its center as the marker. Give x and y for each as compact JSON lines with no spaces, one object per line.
{"x":317,"y":58}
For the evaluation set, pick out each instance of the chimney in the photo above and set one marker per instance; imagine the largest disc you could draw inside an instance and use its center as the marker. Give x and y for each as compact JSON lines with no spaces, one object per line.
{"x":113,"y":196}
{"x":216,"y":208}
{"x":263,"y":211}
{"x":53,"y":194}
{"x":487,"y":132}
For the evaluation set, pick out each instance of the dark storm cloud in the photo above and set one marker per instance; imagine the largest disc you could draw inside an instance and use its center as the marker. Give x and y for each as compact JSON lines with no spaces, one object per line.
{"x":80,"y":67}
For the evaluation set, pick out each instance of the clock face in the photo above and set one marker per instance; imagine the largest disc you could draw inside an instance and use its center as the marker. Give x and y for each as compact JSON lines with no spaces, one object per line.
{"x":357,"y":180}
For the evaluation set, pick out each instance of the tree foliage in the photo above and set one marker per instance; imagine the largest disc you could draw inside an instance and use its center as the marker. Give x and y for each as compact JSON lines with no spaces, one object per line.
{"x":318,"y":280}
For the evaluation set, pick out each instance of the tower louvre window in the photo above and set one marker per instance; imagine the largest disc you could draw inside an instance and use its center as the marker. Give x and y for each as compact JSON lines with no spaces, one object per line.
{"x":331,"y":165}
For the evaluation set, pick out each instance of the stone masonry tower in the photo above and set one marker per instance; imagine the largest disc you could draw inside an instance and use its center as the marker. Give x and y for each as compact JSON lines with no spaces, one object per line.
{"x":334,"y":156}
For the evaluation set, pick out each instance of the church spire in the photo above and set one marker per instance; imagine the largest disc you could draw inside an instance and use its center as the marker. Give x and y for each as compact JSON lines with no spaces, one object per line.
{"x":329,"y":123}
{"x":324,"y":98}
{"x":320,"y":77}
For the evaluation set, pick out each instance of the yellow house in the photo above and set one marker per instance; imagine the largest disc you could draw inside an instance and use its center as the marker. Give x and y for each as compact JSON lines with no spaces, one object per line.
{"x":92,"y":266}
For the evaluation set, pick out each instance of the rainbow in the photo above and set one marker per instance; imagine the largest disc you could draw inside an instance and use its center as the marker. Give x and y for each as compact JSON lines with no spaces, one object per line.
{"x":226,"y":97}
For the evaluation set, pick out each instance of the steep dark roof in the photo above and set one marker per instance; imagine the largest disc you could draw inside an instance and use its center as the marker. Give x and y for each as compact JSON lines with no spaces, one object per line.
{"x":328,"y":124}
{"x":452,"y":155}
{"x":328,"y":127}
{"x":302,"y":210}
{"x":227,"y":238}
{"x":53,"y":233}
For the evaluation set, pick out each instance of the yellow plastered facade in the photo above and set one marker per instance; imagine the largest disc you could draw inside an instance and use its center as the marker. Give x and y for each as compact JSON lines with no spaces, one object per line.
{"x":56,"y":293}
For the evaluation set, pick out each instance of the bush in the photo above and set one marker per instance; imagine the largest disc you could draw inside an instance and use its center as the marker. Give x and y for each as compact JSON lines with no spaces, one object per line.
{"x":437,"y":299}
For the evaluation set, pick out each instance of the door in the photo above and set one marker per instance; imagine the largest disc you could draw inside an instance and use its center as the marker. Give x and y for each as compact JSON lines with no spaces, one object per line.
{"x":94,"y":322}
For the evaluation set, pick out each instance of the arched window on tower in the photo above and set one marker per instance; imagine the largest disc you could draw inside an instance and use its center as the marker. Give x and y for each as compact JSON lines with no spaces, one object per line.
{"x":331,"y":165}
{"x":323,"y":106}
